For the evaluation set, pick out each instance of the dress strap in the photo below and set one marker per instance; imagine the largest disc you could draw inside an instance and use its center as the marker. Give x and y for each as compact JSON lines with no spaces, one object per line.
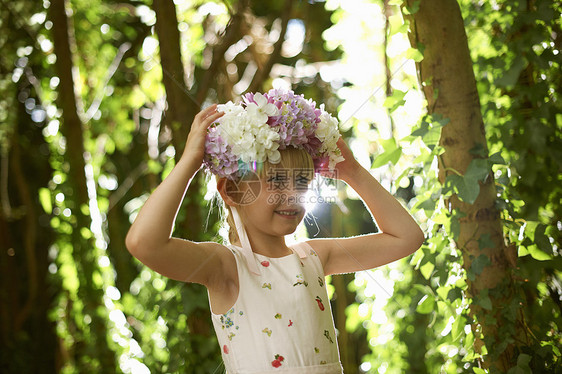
{"x":246,"y":248}
{"x":301,"y":248}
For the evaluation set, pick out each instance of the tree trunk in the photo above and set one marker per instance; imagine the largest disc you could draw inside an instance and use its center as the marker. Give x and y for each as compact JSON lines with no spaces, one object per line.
{"x":181,"y":109}
{"x":449,"y":86}
{"x":90,"y":349}
{"x":28,"y":338}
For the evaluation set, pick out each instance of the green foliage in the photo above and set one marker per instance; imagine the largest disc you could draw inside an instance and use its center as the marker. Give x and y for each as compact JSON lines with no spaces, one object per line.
{"x":518,"y":73}
{"x":111,"y":314}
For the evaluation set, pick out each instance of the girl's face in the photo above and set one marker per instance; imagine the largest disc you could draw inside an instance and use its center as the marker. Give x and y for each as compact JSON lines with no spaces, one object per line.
{"x":278,"y":207}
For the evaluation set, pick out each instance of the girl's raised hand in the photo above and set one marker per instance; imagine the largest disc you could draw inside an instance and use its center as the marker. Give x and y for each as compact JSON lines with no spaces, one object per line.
{"x":346,"y":168}
{"x":195,"y":145}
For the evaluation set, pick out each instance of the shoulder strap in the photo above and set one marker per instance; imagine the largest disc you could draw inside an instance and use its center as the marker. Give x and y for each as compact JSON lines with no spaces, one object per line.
{"x":246,"y":247}
{"x":301,"y":248}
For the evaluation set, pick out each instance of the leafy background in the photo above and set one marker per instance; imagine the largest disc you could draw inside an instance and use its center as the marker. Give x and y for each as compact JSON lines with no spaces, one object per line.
{"x":95,"y":107}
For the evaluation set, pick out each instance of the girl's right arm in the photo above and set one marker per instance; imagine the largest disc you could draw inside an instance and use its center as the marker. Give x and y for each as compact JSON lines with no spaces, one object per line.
{"x":150,"y":237}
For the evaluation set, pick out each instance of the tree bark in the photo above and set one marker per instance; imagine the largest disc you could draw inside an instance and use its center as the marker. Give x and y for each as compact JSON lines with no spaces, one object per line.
{"x":263,"y":74}
{"x":450,"y":89}
{"x":182,"y":108}
{"x":27,"y":336}
{"x":77,"y":194}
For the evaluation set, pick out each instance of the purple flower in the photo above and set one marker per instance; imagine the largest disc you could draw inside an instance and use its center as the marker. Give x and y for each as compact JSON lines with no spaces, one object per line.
{"x":296,"y":121}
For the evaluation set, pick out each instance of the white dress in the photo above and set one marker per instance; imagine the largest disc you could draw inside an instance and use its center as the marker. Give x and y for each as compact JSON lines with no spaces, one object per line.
{"x":282,"y":320}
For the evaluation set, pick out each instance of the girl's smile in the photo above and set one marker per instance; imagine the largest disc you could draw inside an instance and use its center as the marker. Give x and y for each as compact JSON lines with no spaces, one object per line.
{"x":291,"y":213}
{"x":288,"y":213}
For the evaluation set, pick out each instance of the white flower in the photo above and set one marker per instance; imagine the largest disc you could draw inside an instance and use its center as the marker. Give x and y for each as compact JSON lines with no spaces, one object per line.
{"x":249,"y":138}
{"x":328,"y":132}
{"x":261,"y":109}
{"x":230,"y":108}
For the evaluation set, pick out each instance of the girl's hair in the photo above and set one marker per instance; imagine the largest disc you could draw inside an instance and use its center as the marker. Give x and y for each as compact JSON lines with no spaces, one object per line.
{"x":291,"y":158}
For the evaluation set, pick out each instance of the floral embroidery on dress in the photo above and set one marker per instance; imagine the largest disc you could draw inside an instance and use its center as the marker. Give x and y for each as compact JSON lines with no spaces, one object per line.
{"x":327,"y":335}
{"x":300,"y":281}
{"x":226,"y":320}
{"x":261,"y":305}
{"x":277,"y":362}
{"x":319,"y":301}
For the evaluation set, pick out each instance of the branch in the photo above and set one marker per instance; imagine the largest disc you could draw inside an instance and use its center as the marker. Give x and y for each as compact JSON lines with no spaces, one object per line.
{"x":110,"y":72}
{"x":124,"y":187}
{"x":231,"y":32}
{"x":262,"y":74}
{"x":29,"y":240}
{"x":4,"y":159}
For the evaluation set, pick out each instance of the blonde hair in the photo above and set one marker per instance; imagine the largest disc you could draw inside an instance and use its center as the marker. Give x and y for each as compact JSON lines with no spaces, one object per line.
{"x":291,"y":158}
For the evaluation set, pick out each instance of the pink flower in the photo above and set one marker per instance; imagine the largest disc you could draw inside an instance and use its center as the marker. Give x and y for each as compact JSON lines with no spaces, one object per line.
{"x":277,"y":362}
{"x":265,"y":263}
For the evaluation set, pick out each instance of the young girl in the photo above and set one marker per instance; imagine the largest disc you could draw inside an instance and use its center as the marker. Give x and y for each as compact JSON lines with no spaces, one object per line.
{"x":269,"y":303}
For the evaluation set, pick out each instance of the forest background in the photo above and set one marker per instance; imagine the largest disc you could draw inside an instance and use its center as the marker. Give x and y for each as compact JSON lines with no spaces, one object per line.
{"x":453,"y":105}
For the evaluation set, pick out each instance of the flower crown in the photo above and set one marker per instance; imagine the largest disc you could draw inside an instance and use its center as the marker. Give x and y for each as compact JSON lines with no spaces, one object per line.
{"x":255,"y":131}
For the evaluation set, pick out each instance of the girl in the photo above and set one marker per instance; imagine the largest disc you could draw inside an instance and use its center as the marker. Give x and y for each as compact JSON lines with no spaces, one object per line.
{"x":269,"y":303}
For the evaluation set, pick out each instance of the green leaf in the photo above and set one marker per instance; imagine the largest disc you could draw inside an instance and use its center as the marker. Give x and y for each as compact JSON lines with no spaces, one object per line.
{"x":480,"y":263}
{"x":485,"y":241}
{"x":394,"y":101}
{"x":392,"y":153}
{"x":538,"y":254}
{"x":467,"y":192}
{"x":414,"y":54}
{"x":478,"y":150}
{"x":401,"y":30}
{"x":458,"y":327}
{"x":467,"y":187}
{"x":154,"y":167}
{"x":426,"y":269}
{"x":454,"y":294}
{"x":431,"y":138}
{"x":416,"y":258}
{"x":414,"y":8}
{"x":523,"y":360}
{"x":384,"y":158}
{"x":455,"y":229}
{"x":426,"y":305}
{"x":477,"y":170}
{"x":517,"y":370}
{"x":512,"y":75}
{"x":485,"y":303}
{"x":496,"y":159}
{"x":484,"y":300}
{"x":45,"y":200}
{"x":427,"y":204}
{"x":479,"y":371}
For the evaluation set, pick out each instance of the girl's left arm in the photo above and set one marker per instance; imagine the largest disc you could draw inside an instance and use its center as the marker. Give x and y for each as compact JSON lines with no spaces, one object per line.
{"x":399,"y":235}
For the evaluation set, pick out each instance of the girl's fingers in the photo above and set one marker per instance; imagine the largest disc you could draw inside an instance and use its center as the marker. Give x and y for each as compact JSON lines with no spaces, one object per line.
{"x":207,"y":111}
{"x":211,"y":118}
